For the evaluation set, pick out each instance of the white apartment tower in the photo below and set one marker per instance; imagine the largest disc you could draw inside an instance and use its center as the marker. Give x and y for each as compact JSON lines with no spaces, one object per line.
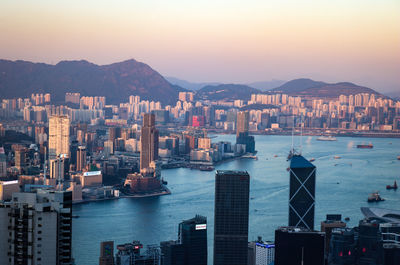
{"x":36,"y":228}
{"x":58,"y":136}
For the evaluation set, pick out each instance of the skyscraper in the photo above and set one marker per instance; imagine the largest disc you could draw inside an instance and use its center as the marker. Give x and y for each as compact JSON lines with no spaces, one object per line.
{"x":81,"y":158}
{"x":242,"y":122}
{"x":193,"y":237}
{"x":301,"y":193}
{"x":149,"y":141}
{"x":59,"y":127}
{"x":106,"y":253}
{"x":242,"y":131}
{"x":172,"y":253}
{"x":299,"y":246}
{"x":231,"y":217}
{"x":36,"y":228}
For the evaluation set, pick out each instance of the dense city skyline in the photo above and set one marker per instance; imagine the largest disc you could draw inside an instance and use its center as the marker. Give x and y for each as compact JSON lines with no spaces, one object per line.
{"x":219,"y":41}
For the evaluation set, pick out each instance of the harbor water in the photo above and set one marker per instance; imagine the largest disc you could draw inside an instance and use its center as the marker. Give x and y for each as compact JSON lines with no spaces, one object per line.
{"x":346,"y":176}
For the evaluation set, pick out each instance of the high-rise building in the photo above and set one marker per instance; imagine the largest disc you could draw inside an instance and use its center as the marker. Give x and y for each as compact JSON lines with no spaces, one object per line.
{"x":81,"y":158}
{"x":172,"y":253}
{"x":301,"y":193}
{"x":149,"y":141}
{"x":3,"y":163}
{"x":370,"y":243}
{"x":343,"y":247}
{"x":242,"y":122}
{"x":20,"y":158}
{"x":261,"y":252}
{"x":106,"y":253}
{"x":59,"y":127}
{"x":129,"y":254}
{"x":299,"y":246}
{"x":193,"y":237}
{"x":332,"y":221}
{"x":231,"y":217}
{"x":56,"y":171}
{"x":36,"y":228}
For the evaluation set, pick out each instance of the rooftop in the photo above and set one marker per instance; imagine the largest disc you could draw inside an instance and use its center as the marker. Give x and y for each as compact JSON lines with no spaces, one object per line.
{"x":298,"y":161}
{"x":232,"y":172}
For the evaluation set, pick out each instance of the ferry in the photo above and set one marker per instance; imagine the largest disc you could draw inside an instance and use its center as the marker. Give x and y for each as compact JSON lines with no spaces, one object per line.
{"x":206,"y":168}
{"x":375,"y":197}
{"x":365,"y":146}
{"x":326,"y":138}
{"x":392,"y":187}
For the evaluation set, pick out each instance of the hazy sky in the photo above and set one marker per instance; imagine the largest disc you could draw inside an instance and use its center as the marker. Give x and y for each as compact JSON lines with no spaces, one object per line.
{"x":213,"y":40}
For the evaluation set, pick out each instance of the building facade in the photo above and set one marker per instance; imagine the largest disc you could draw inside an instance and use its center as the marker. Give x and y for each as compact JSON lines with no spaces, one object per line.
{"x":149,"y":141}
{"x":231,"y":217}
{"x":301,"y":193}
{"x":36,"y":228}
{"x":59,"y":127}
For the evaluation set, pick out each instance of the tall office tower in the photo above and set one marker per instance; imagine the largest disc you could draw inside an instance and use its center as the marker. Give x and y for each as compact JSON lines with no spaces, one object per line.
{"x":36,"y":228}
{"x":172,"y":253}
{"x":370,"y":244}
{"x":242,"y":122}
{"x":81,"y":158}
{"x":301,"y":193}
{"x":106,"y":253}
{"x":342,"y":248}
{"x":332,"y":221}
{"x":58,"y":136}
{"x":20,"y":156}
{"x":299,"y":246}
{"x":193,"y":237}
{"x":149,"y":141}
{"x":231,"y":217}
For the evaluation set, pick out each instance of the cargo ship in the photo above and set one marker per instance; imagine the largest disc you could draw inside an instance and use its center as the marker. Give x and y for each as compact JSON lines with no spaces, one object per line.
{"x":327,"y":138}
{"x":392,"y":187}
{"x":365,"y":146}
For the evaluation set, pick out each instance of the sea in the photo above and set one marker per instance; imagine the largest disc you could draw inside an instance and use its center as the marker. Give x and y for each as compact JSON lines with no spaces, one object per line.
{"x":342,"y":187}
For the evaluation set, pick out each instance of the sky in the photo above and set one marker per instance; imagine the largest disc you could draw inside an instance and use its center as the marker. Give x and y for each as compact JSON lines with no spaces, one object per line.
{"x":212,"y":40}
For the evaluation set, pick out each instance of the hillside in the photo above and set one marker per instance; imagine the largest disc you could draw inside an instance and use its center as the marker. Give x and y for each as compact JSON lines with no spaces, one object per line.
{"x":226,"y":92}
{"x":115,"y":81}
{"x":311,"y":88}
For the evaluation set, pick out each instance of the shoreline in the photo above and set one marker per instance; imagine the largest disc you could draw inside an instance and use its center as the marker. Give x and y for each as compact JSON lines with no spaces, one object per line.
{"x":165,"y":191}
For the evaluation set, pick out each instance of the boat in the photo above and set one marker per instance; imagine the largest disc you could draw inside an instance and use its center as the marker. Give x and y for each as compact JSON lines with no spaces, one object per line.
{"x":326,"y":138}
{"x":392,"y":187}
{"x":347,"y":219}
{"x":375,"y":197}
{"x":312,"y":160}
{"x":398,"y":157}
{"x":337,"y":157}
{"x":206,"y":168}
{"x":275,"y":155}
{"x":365,"y":146}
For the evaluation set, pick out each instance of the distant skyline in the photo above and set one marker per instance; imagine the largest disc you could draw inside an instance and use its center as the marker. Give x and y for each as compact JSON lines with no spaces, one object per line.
{"x":215,"y":41}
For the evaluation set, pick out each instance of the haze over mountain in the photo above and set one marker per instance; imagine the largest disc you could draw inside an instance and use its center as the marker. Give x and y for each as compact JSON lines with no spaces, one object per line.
{"x":116,"y":81}
{"x":226,"y":91}
{"x":262,"y":85}
{"x":311,"y":88}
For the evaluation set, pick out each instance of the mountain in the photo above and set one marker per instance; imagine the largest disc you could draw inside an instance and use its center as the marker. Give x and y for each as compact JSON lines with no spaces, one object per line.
{"x":262,"y":85}
{"x":226,"y":91}
{"x":311,"y":88}
{"x":266,"y":85}
{"x":115,"y":81}
{"x":189,"y":85}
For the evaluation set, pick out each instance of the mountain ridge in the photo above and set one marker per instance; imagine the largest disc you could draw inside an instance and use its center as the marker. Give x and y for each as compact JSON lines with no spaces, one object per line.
{"x":116,"y":81}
